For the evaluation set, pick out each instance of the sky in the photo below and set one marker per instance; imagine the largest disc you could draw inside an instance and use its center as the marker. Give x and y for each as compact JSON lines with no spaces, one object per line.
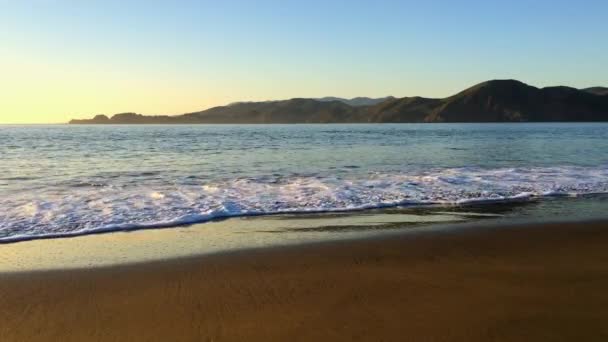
{"x":74,"y":59}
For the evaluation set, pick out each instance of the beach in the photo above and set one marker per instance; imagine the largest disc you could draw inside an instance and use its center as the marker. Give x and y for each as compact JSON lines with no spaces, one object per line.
{"x":541,"y":282}
{"x":296,"y":171}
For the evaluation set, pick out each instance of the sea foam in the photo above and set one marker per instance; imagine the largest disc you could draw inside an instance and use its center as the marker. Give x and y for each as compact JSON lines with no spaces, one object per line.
{"x":62,"y":211}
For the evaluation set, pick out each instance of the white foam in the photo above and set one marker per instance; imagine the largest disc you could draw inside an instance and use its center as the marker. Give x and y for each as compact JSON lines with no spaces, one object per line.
{"x":82,"y":210}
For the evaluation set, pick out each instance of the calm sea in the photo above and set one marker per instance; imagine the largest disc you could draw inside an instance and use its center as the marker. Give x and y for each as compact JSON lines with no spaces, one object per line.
{"x":68,"y":180}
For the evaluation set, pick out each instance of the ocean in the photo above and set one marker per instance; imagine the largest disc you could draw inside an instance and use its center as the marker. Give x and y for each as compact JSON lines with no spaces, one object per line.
{"x":66,"y":180}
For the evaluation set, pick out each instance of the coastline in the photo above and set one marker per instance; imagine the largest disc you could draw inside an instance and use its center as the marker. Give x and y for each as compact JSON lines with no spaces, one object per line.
{"x":476,"y":283}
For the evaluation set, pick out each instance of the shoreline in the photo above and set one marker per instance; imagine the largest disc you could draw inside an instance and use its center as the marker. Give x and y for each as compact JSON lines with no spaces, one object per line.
{"x":106,"y":244}
{"x":405,"y":206}
{"x":295,"y":215}
{"x":471,"y":283}
{"x":427,"y":230}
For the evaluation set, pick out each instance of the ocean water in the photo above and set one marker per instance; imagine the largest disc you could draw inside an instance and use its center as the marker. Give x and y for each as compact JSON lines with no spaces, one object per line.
{"x":65,"y":180}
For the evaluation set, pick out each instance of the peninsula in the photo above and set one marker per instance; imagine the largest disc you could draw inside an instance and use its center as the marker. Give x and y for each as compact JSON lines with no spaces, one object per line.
{"x":491,"y":101}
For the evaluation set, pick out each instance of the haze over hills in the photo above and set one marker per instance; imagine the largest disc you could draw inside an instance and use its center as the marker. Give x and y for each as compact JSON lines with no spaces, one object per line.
{"x":597,"y":90}
{"x":491,"y":101}
{"x":357,"y":101}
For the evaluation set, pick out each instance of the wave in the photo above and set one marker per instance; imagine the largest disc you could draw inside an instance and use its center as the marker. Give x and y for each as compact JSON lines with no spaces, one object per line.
{"x":72,"y":211}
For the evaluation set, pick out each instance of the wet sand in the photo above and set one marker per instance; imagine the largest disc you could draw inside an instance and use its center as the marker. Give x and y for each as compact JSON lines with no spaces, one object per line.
{"x":522,"y":283}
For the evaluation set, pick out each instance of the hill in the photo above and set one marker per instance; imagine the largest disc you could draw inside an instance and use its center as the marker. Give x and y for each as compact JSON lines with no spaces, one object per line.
{"x":491,"y":101}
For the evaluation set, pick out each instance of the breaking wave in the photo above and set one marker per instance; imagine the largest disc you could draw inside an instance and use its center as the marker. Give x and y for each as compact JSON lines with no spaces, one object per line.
{"x":94,"y":208}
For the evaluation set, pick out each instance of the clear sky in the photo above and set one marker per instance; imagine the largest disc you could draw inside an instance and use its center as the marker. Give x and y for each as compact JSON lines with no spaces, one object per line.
{"x":72,"y":59}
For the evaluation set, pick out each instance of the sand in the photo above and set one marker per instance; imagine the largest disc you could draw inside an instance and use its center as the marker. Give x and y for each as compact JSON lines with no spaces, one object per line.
{"x":523,"y":283}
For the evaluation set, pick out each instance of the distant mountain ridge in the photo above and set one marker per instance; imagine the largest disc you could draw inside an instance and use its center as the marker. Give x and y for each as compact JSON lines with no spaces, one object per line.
{"x":356,"y":101}
{"x":491,"y":101}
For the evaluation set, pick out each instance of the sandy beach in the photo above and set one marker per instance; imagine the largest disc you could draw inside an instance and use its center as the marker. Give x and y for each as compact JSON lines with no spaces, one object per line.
{"x":522,"y":283}
{"x":260,"y":171}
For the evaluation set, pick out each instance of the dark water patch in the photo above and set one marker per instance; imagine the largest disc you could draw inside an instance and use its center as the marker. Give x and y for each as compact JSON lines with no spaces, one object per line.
{"x":88,"y":184}
{"x":351,"y":228}
{"x":19,"y":178}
